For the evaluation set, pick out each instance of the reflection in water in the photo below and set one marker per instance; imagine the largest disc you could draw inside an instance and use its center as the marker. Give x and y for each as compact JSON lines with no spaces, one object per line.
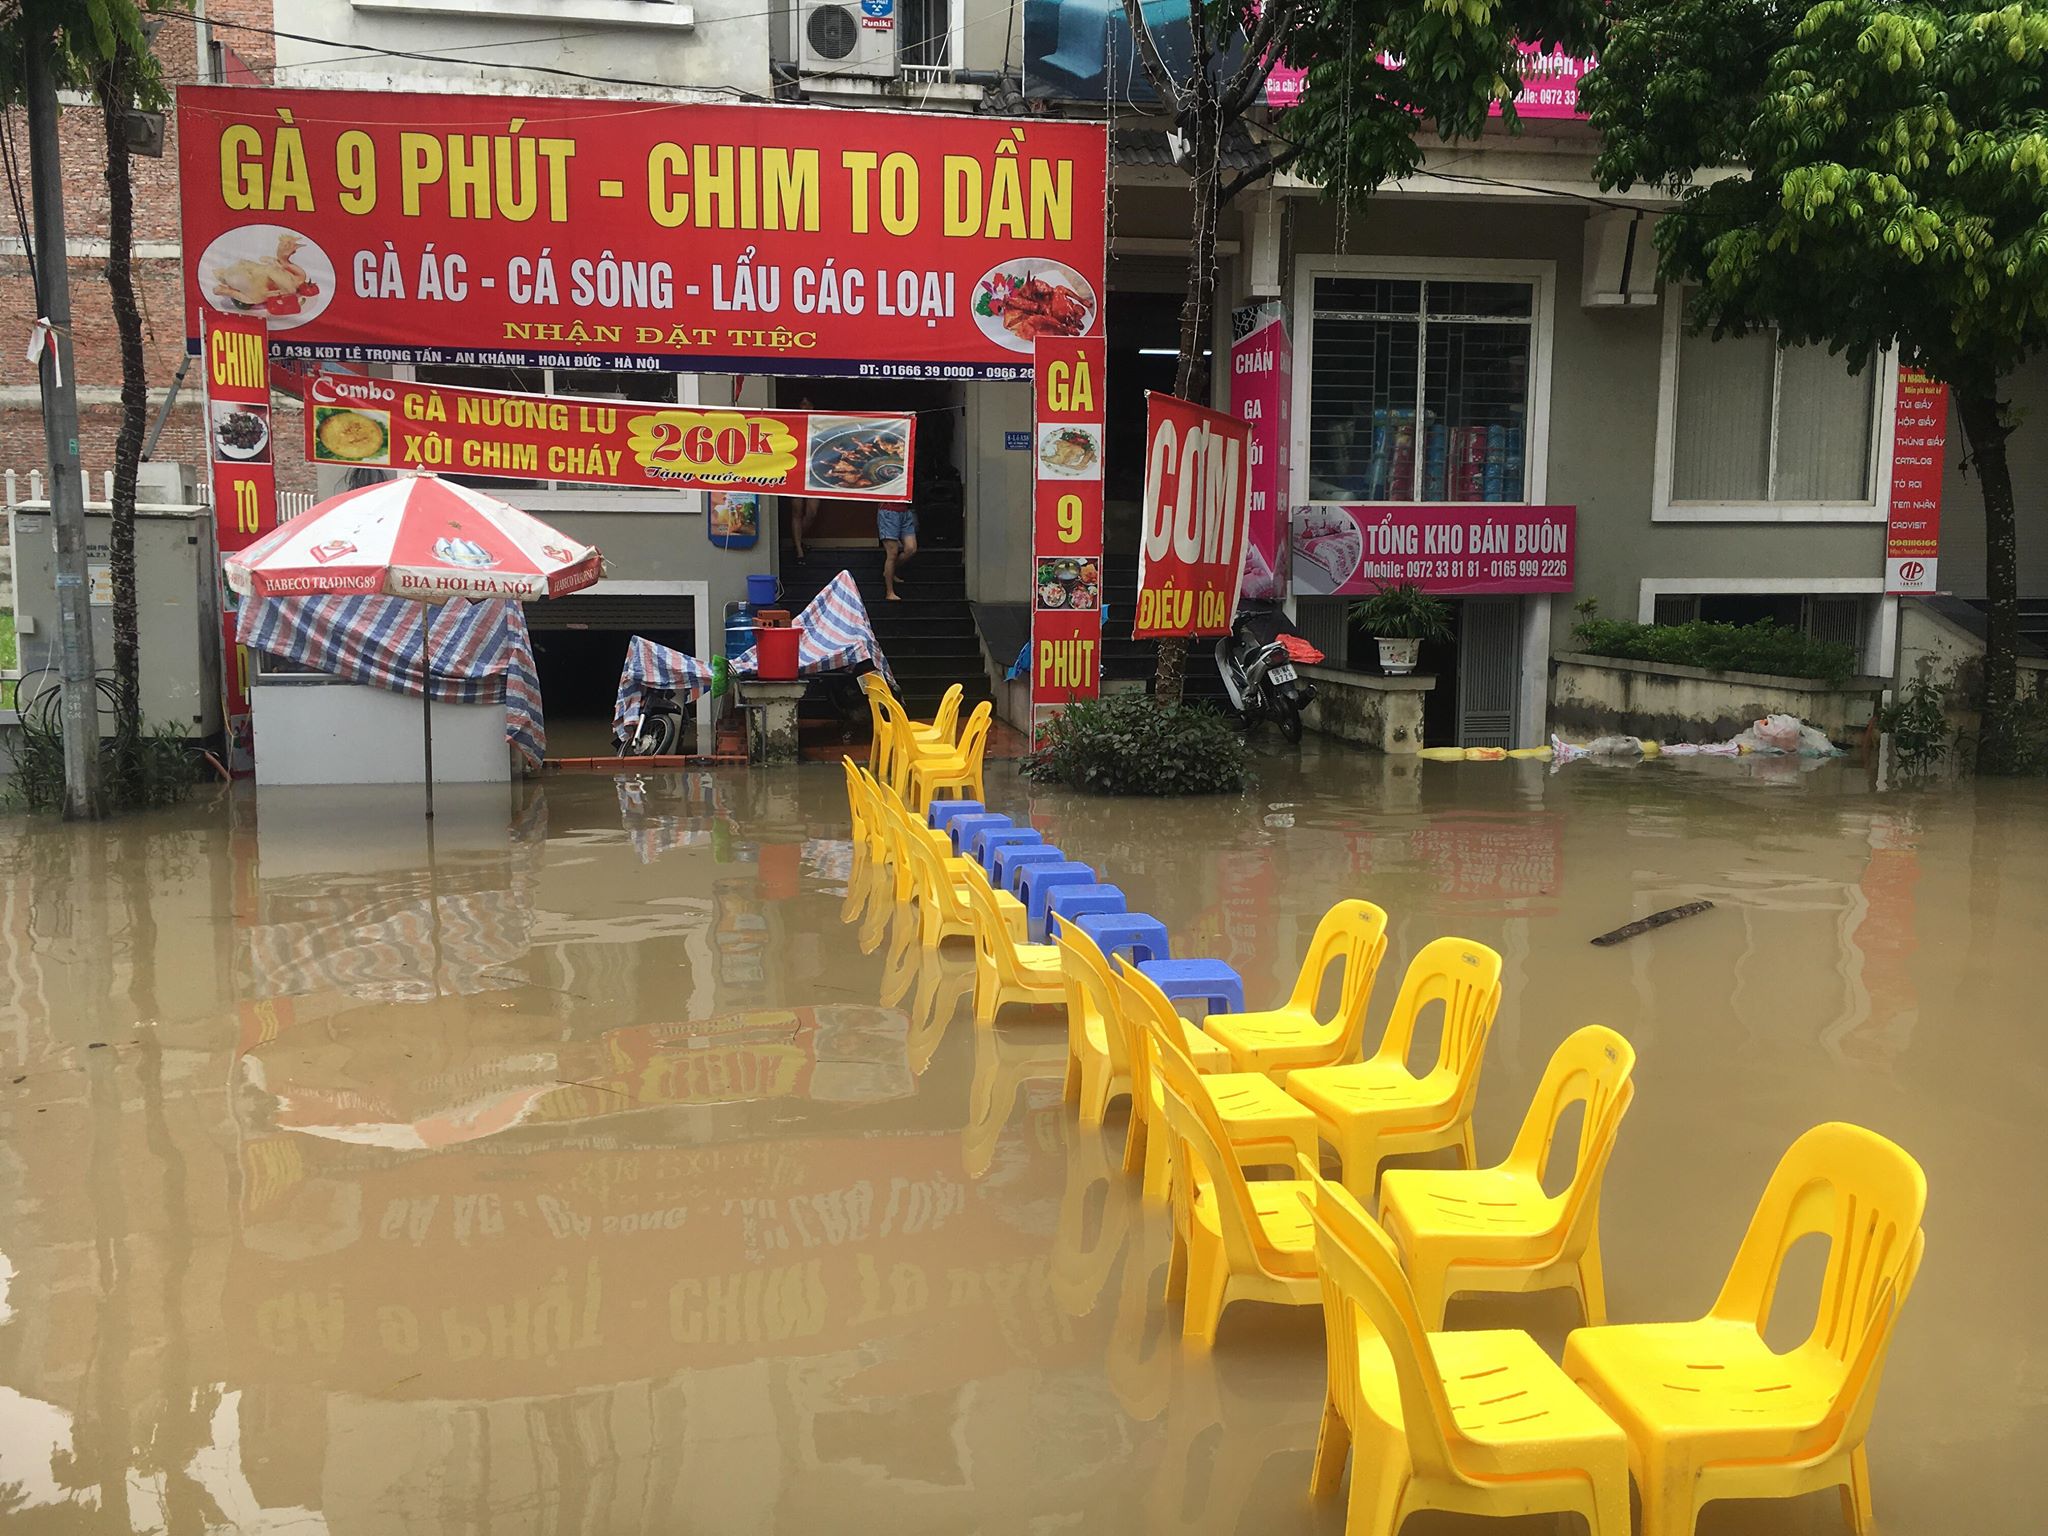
{"x":620,"y":1161}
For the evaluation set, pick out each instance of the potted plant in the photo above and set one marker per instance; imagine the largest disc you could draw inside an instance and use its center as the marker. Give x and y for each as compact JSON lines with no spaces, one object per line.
{"x":1399,"y":617}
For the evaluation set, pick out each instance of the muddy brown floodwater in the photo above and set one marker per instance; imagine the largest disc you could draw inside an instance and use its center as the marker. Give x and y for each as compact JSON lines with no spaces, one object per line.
{"x":617,"y":1169}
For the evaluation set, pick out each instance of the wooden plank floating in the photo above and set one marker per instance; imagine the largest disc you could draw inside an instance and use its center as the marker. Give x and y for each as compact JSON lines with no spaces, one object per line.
{"x":1654,"y":920}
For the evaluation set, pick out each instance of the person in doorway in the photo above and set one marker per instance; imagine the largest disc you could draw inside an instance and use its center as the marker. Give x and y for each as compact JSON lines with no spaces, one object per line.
{"x":897,"y":528}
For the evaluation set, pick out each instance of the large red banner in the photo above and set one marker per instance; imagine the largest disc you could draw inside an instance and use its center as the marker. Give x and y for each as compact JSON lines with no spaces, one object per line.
{"x":1066,"y":524}
{"x":1456,"y":551}
{"x":393,"y":228}
{"x":1912,"y":538}
{"x":1192,"y":538}
{"x":387,"y":422}
{"x":237,"y":387}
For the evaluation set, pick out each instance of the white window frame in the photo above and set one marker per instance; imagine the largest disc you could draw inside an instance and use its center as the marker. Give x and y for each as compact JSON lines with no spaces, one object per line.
{"x":663,"y":14}
{"x":1879,"y":639}
{"x":568,"y":497}
{"x":1870,"y":509}
{"x":1542,"y":277}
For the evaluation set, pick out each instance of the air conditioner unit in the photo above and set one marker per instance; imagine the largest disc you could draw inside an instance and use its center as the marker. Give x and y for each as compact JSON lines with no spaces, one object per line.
{"x":1620,"y":270}
{"x":847,"y":38}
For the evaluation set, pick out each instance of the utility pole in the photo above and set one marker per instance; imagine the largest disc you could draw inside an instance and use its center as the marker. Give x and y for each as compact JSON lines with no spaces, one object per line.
{"x":60,"y":435}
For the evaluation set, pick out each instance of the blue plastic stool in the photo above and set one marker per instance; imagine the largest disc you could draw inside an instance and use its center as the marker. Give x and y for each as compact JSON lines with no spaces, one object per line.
{"x":1012,"y":858}
{"x":1142,"y":934}
{"x":1041,"y":880}
{"x":1210,"y":981}
{"x":1067,"y":902}
{"x":990,"y":839}
{"x":943,"y":811}
{"x":963,"y":829}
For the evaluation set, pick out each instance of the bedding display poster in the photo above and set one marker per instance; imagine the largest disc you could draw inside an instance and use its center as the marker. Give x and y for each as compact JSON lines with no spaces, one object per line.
{"x":1191,"y":545}
{"x":1262,"y":397}
{"x":1066,"y":525}
{"x":1912,"y":536}
{"x":391,"y":227}
{"x":393,"y":424}
{"x":244,"y":476}
{"x":1451,"y":550}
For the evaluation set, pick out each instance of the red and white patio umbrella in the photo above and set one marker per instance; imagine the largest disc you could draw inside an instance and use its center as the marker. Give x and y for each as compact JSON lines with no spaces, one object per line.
{"x":417,"y":537}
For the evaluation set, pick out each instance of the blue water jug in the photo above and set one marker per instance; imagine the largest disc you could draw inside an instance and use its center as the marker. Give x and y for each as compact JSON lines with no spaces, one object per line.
{"x":739,"y":628}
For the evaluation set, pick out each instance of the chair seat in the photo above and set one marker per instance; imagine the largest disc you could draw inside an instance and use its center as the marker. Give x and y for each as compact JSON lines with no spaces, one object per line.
{"x":1039,"y":961}
{"x":1278,"y":1039}
{"x":964,"y":829}
{"x":1287,"y":1232}
{"x":1139,"y":932}
{"x":1503,"y":1390}
{"x":1011,"y":857}
{"x":1253,"y":1107}
{"x":1493,"y":1203}
{"x":1212,"y":981}
{"x":1376,"y":1088}
{"x":1710,"y":1381}
{"x":943,"y":811}
{"x":988,"y":839}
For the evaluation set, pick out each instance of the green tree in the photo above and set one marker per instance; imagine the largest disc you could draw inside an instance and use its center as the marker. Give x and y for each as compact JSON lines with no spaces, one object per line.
{"x":1360,"y":121}
{"x":1860,"y":174}
{"x":101,"y":47}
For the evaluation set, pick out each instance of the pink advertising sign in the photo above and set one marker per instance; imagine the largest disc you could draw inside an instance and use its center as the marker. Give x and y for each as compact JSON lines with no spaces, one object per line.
{"x":1262,"y":396}
{"x":1456,"y":551}
{"x":1550,"y":82}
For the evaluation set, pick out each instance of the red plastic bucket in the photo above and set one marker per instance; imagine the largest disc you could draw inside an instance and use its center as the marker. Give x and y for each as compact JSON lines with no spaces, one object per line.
{"x":775,"y":653}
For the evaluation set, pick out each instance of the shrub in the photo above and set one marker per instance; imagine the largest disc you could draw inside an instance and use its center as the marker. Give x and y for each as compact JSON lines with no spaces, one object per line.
{"x":1917,"y":726}
{"x":1124,"y":744}
{"x":140,"y":769}
{"x":1403,"y":611}
{"x":1760,"y":647}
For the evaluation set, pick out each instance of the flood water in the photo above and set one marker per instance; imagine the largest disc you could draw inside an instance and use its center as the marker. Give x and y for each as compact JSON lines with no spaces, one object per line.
{"x":615,"y":1168}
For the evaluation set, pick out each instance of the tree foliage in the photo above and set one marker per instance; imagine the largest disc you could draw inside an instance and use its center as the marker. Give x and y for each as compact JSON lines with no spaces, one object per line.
{"x":1859,"y":174}
{"x":78,"y":39}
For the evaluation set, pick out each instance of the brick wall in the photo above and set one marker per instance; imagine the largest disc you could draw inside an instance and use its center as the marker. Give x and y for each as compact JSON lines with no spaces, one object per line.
{"x":159,"y":280}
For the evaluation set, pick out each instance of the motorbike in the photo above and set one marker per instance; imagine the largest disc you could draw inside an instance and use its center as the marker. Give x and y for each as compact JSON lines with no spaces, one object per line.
{"x":1258,"y":670}
{"x":661,"y":726}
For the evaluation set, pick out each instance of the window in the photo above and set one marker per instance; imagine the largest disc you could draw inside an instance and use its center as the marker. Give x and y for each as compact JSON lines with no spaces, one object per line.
{"x":926,"y":45}
{"x":639,"y":388}
{"x":1752,"y":425}
{"x":1839,"y":619}
{"x":1450,"y":354}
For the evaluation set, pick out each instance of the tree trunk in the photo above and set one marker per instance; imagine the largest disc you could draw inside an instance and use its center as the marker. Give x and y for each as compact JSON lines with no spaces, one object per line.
{"x":1985,"y":425}
{"x":114,"y":94}
{"x":1197,"y":313}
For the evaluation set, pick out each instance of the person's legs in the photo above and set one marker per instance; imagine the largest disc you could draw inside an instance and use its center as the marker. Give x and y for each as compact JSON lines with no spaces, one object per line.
{"x":890,"y":547}
{"x":898,"y":530}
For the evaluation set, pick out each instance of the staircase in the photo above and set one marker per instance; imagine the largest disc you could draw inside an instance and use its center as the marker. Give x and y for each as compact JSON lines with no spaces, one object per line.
{"x":929,"y":637}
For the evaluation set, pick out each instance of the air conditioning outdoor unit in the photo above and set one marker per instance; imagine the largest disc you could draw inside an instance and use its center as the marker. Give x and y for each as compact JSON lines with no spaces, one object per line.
{"x":1620,"y":270}
{"x":847,"y":38}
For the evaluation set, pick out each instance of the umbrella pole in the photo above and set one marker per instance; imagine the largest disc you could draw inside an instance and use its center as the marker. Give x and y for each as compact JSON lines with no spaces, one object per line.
{"x":427,"y":702}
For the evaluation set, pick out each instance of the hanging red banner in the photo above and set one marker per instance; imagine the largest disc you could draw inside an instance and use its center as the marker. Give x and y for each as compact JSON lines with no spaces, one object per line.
{"x":1066,"y":524}
{"x":238,"y":428}
{"x":386,"y":422}
{"x":1912,"y":537}
{"x":1262,"y":397}
{"x":1192,"y":534}
{"x":385,"y":227}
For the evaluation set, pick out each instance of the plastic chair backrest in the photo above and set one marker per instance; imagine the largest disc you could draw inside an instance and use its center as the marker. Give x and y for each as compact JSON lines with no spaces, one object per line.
{"x":948,"y":716}
{"x":1464,"y":976}
{"x":1593,"y":1064}
{"x":1364,"y":1288}
{"x":1198,"y":1132}
{"x":856,"y":797}
{"x":990,"y":937}
{"x":1352,"y":934}
{"x":974,"y":735}
{"x":901,"y":750}
{"x":1091,"y":991}
{"x":1868,"y":1196}
{"x":930,"y":877}
{"x":876,"y":688}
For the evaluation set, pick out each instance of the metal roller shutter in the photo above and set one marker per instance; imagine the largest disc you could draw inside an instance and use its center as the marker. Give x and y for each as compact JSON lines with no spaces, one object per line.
{"x":636,"y":612}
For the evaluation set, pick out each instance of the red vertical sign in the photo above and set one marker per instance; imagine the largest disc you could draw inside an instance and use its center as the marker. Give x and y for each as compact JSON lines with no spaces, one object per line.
{"x":238,"y":438}
{"x":1191,"y":549}
{"x":1912,"y":538}
{"x":1066,"y":523}
{"x":1262,"y":397}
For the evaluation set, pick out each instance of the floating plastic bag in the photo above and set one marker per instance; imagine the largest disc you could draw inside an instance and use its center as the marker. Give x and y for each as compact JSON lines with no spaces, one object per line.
{"x":1786,"y":734}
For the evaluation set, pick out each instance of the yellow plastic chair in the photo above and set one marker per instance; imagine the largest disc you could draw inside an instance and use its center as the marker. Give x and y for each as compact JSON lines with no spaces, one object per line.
{"x":1146,"y":1140}
{"x":1710,"y":1409}
{"x":1231,"y":1240}
{"x":856,"y":805}
{"x":1261,"y":1124}
{"x":1352,"y":934}
{"x":899,"y":738}
{"x":958,"y":770}
{"x":1016,"y":920}
{"x":1494,"y":1229}
{"x":1006,"y":971}
{"x":945,"y":721}
{"x":876,"y":687}
{"x":1480,"y":1423}
{"x":1098,"y":1064}
{"x":1377,"y":1108}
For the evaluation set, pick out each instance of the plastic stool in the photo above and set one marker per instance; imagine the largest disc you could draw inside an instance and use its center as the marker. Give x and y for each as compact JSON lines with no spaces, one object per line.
{"x":1011,"y":858}
{"x":1041,"y":880}
{"x":1138,"y":932}
{"x":943,"y":811}
{"x":1067,"y":902}
{"x":1211,"y":981}
{"x":990,"y":839}
{"x":962,"y":829}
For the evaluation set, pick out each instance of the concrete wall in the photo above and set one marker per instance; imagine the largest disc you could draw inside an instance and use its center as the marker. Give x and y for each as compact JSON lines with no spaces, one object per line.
{"x":614,"y":40}
{"x":1605,"y":696}
{"x":1946,"y":656}
{"x":1383,"y":713}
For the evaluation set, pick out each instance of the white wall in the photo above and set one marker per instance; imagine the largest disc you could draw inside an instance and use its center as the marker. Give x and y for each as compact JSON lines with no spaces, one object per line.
{"x":348,"y":733}
{"x":998,"y":482}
